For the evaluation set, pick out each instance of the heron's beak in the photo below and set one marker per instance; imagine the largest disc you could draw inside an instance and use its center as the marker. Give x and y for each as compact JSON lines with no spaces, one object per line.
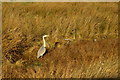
{"x":47,"y":35}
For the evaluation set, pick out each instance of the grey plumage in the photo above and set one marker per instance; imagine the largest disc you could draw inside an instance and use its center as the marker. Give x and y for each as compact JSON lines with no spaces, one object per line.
{"x":41,"y":51}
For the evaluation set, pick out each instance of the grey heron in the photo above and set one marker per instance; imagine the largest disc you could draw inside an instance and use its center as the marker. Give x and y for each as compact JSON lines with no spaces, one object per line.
{"x":42,"y":49}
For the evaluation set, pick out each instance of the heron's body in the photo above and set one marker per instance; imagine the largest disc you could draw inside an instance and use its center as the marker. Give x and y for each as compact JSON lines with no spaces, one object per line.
{"x":42,"y":50}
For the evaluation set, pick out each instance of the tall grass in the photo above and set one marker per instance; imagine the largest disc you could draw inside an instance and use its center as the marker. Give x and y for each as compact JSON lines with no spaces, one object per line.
{"x":25,"y":23}
{"x":62,"y":20}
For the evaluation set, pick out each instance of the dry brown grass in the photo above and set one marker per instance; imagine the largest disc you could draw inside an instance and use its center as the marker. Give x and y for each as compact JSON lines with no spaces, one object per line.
{"x":25,"y":23}
{"x":83,"y":59}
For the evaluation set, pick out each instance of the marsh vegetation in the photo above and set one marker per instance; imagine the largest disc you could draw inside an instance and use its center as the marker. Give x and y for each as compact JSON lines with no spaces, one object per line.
{"x":25,"y":23}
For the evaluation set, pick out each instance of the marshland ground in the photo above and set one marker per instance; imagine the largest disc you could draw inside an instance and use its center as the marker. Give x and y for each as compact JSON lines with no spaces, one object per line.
{"x":91,"y":53}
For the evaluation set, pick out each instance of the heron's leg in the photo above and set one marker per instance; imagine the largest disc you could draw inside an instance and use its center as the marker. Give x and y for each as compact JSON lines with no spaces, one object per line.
{"x":41,"y":57}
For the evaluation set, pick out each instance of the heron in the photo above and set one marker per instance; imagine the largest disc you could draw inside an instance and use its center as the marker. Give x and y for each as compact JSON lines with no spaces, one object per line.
{"x":42,"y":49}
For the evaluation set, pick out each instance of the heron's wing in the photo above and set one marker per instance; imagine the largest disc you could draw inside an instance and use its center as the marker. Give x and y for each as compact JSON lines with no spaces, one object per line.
{"x":41,"y":51}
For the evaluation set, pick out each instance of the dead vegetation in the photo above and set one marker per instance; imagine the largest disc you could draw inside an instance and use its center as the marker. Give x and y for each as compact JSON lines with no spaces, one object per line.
{"x":83,"y":59}
{"x":25,"y":23}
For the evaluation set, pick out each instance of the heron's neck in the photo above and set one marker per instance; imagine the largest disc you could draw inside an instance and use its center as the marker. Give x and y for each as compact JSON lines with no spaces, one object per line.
{"x":44,"y":44}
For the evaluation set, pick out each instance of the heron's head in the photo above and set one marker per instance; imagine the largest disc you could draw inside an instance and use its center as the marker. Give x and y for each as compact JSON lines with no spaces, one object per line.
{"x":45,"y":35}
